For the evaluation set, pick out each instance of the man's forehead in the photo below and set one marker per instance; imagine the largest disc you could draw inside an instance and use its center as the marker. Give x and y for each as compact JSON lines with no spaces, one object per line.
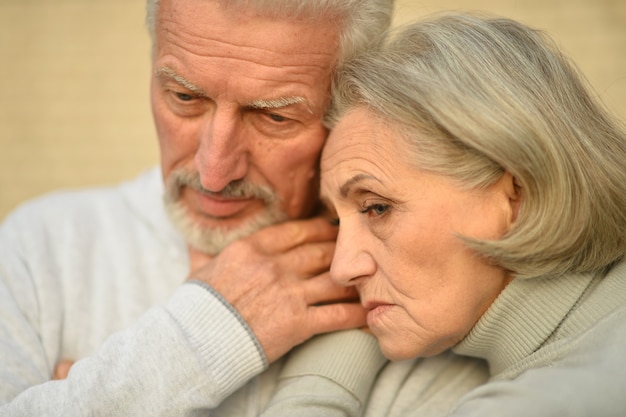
{"x":241,"y":24}
{"x":281,"y":63}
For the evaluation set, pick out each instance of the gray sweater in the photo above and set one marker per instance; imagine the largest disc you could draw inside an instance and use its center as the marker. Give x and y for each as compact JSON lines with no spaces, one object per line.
{"x":98,"y":276}
{"x":545,"y":348}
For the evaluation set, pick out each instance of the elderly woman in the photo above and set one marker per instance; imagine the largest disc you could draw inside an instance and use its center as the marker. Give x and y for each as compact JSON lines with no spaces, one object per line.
{"x":480,"y":193}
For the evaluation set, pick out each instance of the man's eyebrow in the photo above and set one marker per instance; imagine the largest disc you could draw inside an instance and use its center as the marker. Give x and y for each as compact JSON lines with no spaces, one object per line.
{"x":279,"y":103}
{"x":170,"y":73}
{"x":261,"y":104}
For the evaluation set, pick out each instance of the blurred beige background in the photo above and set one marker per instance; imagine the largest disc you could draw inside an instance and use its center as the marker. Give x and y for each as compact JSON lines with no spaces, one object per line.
{"x":74,"y":107}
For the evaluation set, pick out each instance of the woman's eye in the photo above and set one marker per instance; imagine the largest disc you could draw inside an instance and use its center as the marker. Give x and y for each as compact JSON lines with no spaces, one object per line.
{"x":377,"y":209}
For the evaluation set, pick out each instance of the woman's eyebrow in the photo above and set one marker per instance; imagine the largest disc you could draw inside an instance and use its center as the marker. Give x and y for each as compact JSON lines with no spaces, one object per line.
{"x":346,"y":188}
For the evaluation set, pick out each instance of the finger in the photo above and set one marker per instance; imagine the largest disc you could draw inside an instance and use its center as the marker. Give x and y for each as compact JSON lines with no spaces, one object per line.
{"x":285,"y":236}
{"x":309,"y":259}
{"x":333,"y":317}
{"x":322,"y":290}
{"x":62,"y":369}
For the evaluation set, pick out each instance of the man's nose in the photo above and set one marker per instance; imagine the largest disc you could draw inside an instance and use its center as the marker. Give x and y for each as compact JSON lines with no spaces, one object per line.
{"x":222,"y":154}
{"x":352,"y":262}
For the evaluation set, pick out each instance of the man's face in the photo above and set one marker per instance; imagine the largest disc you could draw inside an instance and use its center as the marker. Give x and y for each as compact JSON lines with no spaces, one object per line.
{"x":238,"y":102}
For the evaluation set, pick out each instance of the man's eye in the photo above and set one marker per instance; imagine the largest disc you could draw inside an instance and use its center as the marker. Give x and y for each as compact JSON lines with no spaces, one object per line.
{"x":184,"y":97}
{"x":376,"y":209}
{"x":276,"y":117}
{"x":274,"y":125}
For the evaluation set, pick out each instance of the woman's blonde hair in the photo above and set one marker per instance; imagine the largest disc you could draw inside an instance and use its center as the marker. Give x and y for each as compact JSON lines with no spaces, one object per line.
{"x":477,"y":96}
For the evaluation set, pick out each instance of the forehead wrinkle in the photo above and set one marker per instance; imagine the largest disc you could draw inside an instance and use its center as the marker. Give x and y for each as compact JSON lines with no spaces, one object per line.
{"x":224,"y":41}
{"x":170,"y":73}
{"x":265,"y":55}
{"x":222,"y":46}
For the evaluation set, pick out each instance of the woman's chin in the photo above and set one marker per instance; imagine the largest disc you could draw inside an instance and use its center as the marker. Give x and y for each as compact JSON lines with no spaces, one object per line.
{"x":395,"y":351}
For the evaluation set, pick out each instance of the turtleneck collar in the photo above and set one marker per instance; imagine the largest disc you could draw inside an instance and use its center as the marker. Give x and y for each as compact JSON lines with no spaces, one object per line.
{"x":522,"y":319}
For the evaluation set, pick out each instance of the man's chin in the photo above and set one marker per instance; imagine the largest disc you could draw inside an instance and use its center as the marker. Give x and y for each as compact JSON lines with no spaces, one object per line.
{"x":210,"y":236}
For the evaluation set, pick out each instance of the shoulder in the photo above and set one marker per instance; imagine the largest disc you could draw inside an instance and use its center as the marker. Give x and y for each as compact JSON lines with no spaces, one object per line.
{"x":75,"y":220}
{"x":86,"y":206}
{"x":585,"y":375}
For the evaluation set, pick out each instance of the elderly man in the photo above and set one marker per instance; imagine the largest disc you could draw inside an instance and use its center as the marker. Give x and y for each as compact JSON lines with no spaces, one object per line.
{"x":141,"y":284}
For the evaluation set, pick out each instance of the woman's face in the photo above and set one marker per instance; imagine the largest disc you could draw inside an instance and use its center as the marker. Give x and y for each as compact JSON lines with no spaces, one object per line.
{"x":422,"y":287}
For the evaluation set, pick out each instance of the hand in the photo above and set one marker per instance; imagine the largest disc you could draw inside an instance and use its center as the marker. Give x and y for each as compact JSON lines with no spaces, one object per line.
{"x":276,"y":279}
{"x":367,"y":330}
{"x":62,"y":369}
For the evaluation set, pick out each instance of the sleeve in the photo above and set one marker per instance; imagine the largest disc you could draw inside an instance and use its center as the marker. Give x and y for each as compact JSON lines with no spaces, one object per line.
{"x":330,"y":375}
{"x":586,"y":378}
{"x":185,"y":356}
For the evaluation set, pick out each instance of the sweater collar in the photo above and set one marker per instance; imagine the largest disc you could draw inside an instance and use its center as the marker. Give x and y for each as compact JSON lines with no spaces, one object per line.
{"x":522,"y":318}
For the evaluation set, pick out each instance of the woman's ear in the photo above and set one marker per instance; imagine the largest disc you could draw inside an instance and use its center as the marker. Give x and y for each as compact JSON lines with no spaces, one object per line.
{"x":514,"y":193}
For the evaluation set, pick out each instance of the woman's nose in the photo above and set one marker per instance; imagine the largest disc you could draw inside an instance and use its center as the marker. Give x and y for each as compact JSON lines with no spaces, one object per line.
{"x":352,"y":262}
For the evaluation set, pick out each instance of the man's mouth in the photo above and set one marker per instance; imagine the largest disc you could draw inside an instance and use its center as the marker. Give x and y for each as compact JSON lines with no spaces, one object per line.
{"x":217,"y":206}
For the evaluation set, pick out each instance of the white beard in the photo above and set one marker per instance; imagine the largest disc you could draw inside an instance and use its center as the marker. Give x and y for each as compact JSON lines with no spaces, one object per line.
{"x":212,"y":240}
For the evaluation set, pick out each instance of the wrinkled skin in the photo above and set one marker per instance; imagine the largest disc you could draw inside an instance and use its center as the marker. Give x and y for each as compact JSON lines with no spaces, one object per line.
{"x":398,"y":244}
{"x":238,"y":99}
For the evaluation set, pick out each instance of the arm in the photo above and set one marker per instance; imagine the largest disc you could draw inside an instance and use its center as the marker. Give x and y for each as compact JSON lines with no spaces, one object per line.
{"x":172,"y":356}
{"x":330,"y":375}
{"x":176,"y":359}
{"x":188,"y":354}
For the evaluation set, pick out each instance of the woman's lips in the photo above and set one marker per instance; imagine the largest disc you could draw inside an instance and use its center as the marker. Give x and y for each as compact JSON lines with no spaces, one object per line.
{"x":375,"y":309}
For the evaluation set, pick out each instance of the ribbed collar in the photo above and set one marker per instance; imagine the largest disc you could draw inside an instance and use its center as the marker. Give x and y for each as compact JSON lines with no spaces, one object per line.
{"x":522,"y":318}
